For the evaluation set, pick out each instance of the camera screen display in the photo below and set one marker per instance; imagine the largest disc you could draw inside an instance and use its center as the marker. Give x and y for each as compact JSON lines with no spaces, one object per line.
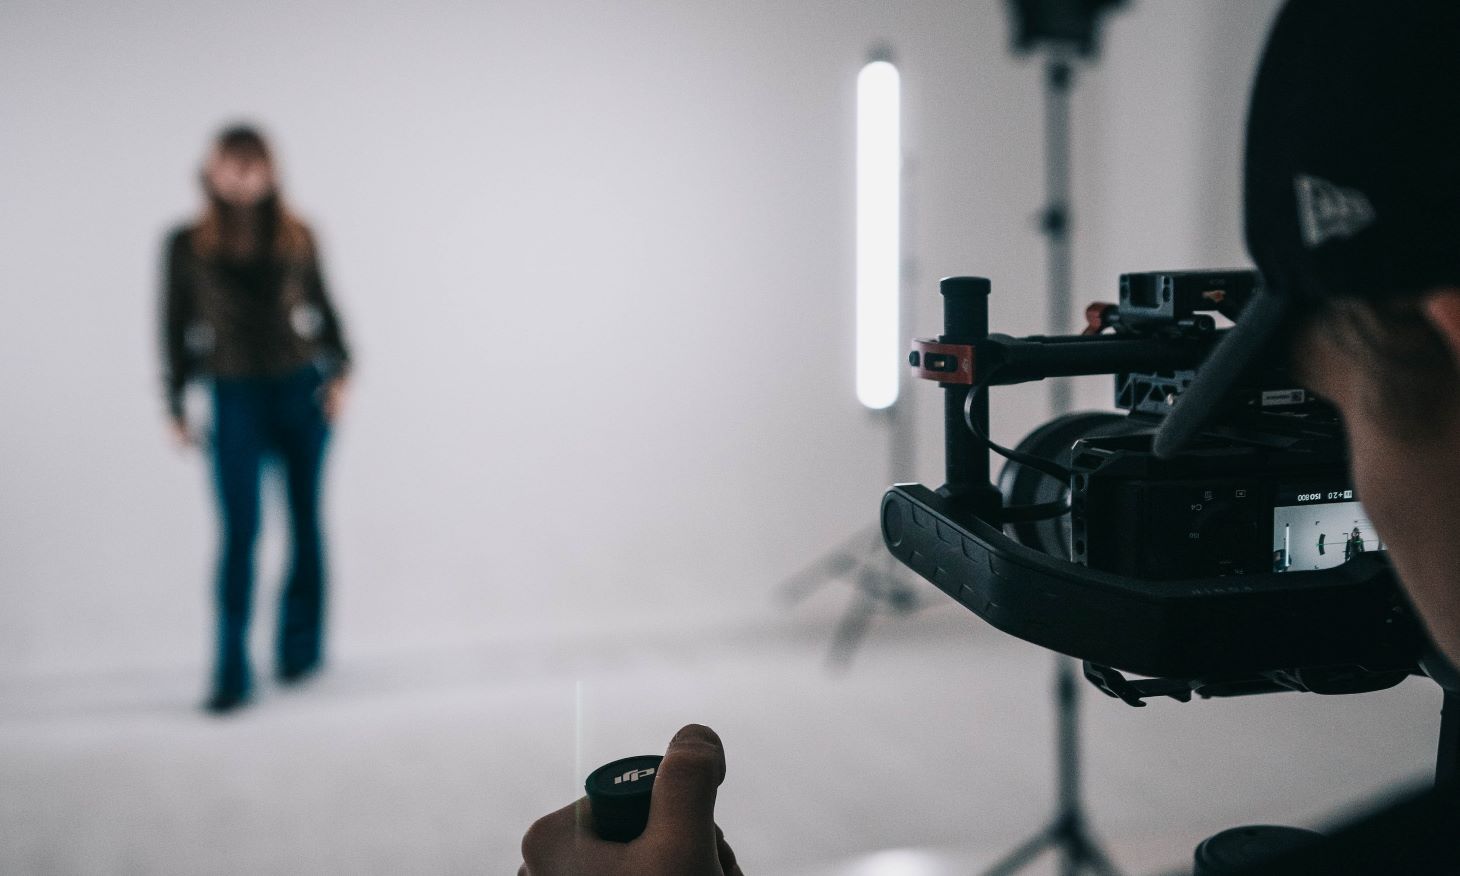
{"x":1318,"y":526}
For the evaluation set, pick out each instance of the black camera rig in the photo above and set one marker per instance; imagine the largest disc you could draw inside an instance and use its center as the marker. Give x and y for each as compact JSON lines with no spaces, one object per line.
{"x":1092,"y":547}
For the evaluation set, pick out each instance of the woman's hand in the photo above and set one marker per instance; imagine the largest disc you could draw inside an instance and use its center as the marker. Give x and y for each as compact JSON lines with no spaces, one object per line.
{"x":333,"y":397}
{"x":183,"y":437}
{"x":680,"y":839}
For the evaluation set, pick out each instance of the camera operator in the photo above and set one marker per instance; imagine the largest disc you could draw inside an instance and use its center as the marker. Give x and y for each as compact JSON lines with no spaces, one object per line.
{"x":1352,"y":202}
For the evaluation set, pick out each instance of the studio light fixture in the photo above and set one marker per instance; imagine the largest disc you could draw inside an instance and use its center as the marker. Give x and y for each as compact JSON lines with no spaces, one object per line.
{"x":879,"y":229}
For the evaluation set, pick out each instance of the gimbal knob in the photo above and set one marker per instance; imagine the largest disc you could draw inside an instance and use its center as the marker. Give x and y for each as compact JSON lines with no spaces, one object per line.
{"x":619,"y":795}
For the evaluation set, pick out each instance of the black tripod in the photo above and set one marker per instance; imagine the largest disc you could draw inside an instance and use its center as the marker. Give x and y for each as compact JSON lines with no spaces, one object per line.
{"x":1067,"y":832}
{"x":1066,"y":27}
{"x":880,"y":584}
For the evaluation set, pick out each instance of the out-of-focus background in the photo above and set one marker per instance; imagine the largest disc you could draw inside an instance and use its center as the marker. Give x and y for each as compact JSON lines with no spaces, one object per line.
{"x":596,"y":264}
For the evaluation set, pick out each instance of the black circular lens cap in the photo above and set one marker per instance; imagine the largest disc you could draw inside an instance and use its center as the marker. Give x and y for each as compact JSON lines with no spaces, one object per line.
{"x":619,"y":793}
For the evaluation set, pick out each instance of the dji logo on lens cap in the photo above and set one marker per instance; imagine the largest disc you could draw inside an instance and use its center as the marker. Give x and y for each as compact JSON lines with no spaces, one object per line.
{"x":634,"y":775}
{"x":619,"y":793}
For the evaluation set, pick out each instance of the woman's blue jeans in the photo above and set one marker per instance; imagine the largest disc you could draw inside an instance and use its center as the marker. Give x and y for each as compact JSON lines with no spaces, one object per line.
{"x":256,"y":419}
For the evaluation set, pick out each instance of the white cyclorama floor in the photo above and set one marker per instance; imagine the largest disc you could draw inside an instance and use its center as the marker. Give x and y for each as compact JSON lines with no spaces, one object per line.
{"x":930,"y":756}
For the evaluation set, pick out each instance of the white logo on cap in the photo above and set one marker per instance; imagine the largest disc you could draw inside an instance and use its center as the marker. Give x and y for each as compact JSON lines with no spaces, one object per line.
{"x":634,"y":775}
{"x":1326,"y":211}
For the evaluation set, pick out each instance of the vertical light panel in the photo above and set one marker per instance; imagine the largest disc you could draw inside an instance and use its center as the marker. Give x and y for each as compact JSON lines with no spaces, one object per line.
{"x":879,"y":230}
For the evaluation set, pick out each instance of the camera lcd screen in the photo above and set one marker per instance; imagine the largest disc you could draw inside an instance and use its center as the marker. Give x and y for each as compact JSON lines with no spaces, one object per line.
{"x":1318,"y":526}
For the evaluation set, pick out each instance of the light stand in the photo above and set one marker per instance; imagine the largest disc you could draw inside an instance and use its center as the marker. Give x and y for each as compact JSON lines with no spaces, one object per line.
{"x":880,"y":584}
{"x":879,"y":581}
{"x":1065,"y":28}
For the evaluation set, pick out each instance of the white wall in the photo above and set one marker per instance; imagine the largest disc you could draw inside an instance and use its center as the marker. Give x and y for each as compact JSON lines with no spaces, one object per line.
{"x":594,"y":259}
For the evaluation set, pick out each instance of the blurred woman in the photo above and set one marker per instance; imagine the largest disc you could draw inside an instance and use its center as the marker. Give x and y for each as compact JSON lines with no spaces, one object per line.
{"x":244,"y":306}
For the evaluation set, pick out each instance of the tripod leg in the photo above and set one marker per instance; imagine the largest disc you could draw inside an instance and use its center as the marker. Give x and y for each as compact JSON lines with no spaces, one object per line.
{"x":835,"y":564}
{"x":852,"y":628}
{"x":877,"y":585}
{"x":1096,"y":860}
{"x":1022,"y":855}
{"x":829,"y":568}
{"x":898,"y":594}
{"x":1082,"y":855}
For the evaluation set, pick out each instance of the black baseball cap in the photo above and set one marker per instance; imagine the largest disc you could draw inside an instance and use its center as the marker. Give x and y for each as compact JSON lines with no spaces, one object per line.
{"x":1352,"y":178}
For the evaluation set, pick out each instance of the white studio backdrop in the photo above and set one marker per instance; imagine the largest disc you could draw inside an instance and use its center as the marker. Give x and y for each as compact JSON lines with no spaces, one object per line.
{"x":595,"y":261}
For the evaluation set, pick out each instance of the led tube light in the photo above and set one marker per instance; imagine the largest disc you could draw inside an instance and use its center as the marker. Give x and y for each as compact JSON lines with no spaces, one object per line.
{"x":879,"y":230}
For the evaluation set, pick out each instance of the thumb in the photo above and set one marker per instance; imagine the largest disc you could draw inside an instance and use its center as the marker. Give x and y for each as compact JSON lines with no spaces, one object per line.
{"x":683,"y":804}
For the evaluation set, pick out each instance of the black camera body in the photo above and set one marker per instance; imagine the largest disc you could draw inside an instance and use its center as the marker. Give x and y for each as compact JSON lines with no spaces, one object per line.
{"x":1273,"y":463}
{"x":1220,"y":510}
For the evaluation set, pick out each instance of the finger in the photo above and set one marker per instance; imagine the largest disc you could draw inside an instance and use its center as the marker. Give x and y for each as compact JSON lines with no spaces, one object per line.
{"x":550,"y":840}
{"x":683,"y":805}
{"x":583,"y":815}
{"x":728,"y":864}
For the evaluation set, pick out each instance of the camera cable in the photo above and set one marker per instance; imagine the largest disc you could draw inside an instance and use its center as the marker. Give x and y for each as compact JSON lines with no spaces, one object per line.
{"x":1048,"y":467}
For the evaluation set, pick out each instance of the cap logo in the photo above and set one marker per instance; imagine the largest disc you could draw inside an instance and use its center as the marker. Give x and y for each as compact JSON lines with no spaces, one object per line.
{"x":1326,"y":210}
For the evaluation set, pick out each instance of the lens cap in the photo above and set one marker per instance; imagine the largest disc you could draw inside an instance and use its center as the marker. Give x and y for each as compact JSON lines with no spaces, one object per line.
{"x":619,"y":793}
{"x":1242,"y":847}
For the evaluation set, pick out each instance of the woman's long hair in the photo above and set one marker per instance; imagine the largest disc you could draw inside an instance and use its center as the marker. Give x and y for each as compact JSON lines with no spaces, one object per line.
{"x":222,"y":229}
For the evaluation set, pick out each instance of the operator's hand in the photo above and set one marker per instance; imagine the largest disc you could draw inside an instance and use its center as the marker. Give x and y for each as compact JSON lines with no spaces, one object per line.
{"x":681,"y":838}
